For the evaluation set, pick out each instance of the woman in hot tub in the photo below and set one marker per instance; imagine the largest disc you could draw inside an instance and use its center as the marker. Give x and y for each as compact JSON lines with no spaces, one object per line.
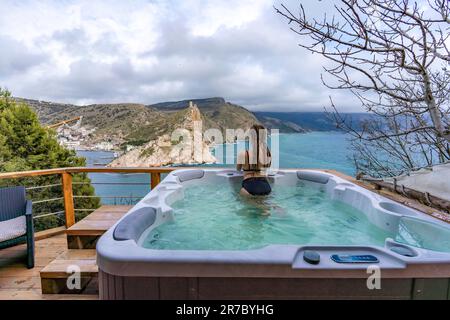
{"x":254,"y":163}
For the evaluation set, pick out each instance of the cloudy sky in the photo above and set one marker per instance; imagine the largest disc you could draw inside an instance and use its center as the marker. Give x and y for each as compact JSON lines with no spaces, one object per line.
{"x":151,"y":51}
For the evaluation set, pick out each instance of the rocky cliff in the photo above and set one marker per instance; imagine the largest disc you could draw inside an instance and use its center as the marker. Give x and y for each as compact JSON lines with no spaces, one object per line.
{"x":164,"y":150}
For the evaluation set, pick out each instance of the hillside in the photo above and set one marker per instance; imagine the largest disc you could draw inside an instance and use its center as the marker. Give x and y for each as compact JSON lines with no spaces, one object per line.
{"x":283,"y":125}
{"x":116,"y":122}
{"x":217,"y":113}
{"x":137,"y":124}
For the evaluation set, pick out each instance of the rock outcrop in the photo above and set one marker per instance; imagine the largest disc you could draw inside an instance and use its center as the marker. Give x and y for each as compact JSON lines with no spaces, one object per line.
{"x":165,"y":150}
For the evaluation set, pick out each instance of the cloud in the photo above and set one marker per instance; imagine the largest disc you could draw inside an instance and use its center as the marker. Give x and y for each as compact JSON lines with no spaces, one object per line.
{"x":152,"y":51}
{"x":15,"y":57}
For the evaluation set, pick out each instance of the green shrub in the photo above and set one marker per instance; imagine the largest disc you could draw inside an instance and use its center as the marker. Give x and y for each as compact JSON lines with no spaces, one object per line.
{"x":26,"y":145}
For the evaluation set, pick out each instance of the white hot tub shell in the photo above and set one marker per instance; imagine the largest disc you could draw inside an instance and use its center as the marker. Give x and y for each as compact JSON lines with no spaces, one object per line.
{"x":130,"y":271}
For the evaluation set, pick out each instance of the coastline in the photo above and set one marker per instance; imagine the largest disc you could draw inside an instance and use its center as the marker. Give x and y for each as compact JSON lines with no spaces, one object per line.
{"x":310,"y":151}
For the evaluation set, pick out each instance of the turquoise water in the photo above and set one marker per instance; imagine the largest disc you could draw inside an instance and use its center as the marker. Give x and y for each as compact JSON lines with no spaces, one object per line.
{"x":115,"y":188}
{"x":320,"y":150}
{"x":326,"y":150}
{"x":216,"y":217}
{"x":314,"y":150}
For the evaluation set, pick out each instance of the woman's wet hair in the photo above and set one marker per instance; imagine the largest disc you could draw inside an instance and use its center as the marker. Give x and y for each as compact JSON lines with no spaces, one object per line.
{"x":259,"y":142}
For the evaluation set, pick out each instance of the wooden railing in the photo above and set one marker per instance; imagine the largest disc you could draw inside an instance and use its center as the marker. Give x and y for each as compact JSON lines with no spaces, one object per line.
{"x":67,"y":184}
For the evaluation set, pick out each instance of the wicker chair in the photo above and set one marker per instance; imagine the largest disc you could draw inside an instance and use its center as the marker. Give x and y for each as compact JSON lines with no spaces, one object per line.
{"x":16,"y":221}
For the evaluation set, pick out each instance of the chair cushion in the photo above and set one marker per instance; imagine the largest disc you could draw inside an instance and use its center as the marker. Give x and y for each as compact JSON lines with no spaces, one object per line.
{"x":13,"y":228}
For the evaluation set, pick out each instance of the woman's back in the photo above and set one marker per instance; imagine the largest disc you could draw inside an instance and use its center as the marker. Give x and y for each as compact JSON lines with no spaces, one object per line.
{"x":255,"y":162}
{"x":254,"y":165}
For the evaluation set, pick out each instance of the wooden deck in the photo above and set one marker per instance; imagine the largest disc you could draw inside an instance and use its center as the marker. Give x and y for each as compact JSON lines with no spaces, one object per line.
{"x":18,"y":282}
{"x":52,"y":257}
{"x":98,"y":221}
{"x":85,"y":233}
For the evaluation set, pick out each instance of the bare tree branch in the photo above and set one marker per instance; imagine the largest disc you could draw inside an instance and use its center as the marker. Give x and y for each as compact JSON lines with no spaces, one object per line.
{"x":394,"y":57}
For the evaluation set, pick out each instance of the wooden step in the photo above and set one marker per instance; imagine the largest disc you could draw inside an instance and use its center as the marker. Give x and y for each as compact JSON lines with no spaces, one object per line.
{"x":81,"y":240}
{"x":55,"y":275}
{"x":85,"y":233}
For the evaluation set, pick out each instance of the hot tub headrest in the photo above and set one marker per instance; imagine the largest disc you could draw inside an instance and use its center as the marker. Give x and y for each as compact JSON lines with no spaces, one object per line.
{"x":317,"y":177}
{"x":134,"y":224}
{"x":189,"y":175}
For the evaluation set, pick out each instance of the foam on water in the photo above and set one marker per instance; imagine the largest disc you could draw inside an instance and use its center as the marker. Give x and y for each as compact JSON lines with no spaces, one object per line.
{"x":217,"y":217}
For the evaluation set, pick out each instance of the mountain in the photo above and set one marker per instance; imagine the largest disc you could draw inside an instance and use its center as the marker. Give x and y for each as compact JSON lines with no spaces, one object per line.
{"x":137,"y":123}
{"x":118,"y":123}
{"x":282,"y":125}
{"x":208,"y":104}
{"x":313,"y":121}
{"x":217,"y":113}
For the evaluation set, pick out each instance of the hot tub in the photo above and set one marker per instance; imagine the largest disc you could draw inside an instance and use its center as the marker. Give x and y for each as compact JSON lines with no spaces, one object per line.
{"x":195,"y":237}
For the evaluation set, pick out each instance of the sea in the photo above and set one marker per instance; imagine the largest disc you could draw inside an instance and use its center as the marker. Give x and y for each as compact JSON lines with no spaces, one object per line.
{"x":318,"y":150}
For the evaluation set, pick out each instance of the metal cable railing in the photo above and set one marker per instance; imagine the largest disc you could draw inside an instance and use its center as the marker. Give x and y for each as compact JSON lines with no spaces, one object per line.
{"x":109,"y":197}
{"x":47,"y":200}
{"x":45,"y":186}
{"x":112,"y":183}
{"x":42,"y":215}
{"x":47,"y":214}
{"x":47,"y":207}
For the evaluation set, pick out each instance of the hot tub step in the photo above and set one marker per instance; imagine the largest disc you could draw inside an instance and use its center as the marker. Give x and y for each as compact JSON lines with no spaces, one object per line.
{"x":85,"y":233}
{"x":74,"y":271}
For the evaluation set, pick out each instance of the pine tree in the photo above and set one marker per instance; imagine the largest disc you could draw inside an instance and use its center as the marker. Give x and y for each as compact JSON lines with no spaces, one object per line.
{"x":26,"y":145}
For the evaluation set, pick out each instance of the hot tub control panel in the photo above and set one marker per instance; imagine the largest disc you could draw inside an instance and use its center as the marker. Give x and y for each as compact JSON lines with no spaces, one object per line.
{"x":357,"y":258}
{"x":341,"y":257}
